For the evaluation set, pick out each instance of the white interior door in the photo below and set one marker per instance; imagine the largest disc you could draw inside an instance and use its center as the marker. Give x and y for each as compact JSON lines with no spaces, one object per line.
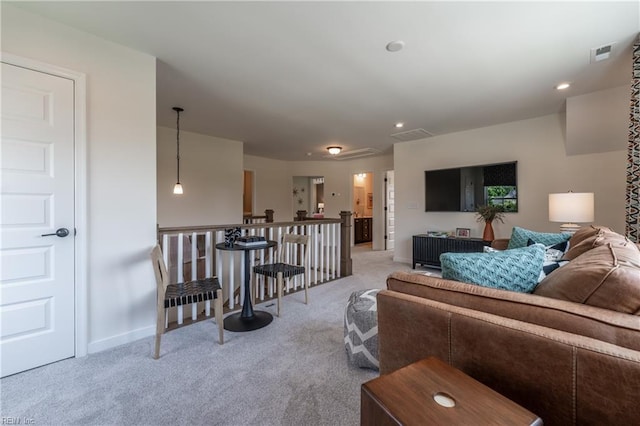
{"x":389,"y":208}
{"x":37,"y":286}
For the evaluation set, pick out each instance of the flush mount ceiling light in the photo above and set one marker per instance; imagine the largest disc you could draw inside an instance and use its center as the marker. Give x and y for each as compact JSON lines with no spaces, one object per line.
{"x":399,"y":125}
{"x":177,"y":189}
{"x":334,"y":150}
{"x":395,"y":46}
{"x":563,"y":86}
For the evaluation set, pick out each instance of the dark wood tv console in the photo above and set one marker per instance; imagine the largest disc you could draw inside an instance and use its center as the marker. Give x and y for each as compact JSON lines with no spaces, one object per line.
{"x":427,"y":250}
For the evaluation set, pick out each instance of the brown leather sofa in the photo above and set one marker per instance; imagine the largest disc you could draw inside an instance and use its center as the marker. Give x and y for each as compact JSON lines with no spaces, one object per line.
{"x":568,"y":361}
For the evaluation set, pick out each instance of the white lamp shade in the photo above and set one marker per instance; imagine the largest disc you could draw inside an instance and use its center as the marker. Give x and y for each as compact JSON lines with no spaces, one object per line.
{"x":571,"y":207}
{"x":177,"y":189}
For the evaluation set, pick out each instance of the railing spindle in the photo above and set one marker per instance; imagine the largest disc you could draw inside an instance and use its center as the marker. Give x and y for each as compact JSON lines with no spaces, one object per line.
{"x":333,"y":251}
{"x":314,"y":239}
{"x":194,"y":256}
{"x":321,"y":252}
{"x":338,"y":253}
{"x":208,"y":256}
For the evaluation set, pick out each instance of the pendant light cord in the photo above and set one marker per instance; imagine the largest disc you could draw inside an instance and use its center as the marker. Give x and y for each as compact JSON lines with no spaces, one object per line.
{"x":178,"y":143}
{"x":178,"y":140}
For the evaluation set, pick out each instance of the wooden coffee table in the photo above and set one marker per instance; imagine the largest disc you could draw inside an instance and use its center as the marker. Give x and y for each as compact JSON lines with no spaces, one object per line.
{"x":408,"y":397}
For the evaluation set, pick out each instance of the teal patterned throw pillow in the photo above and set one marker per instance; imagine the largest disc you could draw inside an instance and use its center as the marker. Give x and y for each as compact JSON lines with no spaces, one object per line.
{"x":515,"y":270}
{"x":520,"y":237}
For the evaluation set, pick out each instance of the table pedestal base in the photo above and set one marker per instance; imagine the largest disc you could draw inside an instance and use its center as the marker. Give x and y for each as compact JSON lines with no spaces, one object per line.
{"x":235,"y":322}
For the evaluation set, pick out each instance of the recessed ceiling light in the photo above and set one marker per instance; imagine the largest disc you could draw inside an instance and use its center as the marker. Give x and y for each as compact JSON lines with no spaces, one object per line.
{"x":563,"y":86}
{"x":395,"y":46}
{"x":399,"y":125}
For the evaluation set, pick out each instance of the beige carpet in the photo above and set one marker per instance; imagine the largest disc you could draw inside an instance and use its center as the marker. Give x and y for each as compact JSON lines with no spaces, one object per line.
{"x":292,"y":372}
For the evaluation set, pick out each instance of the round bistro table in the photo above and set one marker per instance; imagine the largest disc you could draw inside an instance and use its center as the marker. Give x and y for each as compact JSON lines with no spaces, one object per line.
{"x":247,"y":319}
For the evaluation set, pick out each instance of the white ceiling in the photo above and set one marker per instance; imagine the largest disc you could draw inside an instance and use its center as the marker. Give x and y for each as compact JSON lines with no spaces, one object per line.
{"x":291,"y":78}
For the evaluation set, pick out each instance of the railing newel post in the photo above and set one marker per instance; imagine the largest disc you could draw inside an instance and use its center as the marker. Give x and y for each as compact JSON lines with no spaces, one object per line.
{"x":269,"y":214}
{"x":346,"y":265}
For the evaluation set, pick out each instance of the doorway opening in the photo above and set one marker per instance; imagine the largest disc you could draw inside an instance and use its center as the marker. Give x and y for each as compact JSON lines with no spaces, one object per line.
{"x":247,"y":194}
{"x":362,"y":207}
{"x":308,"y":195}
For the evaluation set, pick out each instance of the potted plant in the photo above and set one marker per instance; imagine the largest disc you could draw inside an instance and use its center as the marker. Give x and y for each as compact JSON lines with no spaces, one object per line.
{"x":487,"y":213}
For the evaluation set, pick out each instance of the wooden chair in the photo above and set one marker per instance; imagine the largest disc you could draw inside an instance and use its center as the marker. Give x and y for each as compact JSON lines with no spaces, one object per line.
{"x":171,"y":295}
{"x":292,"y":261}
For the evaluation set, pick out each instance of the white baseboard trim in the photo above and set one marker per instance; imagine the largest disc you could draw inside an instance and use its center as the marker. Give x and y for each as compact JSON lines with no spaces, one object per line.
{"x":403,"y":260}
{"x":121,"y":339}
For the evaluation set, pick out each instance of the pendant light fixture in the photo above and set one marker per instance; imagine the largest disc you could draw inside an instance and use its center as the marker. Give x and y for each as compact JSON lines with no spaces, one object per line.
{"x":177,"y":189}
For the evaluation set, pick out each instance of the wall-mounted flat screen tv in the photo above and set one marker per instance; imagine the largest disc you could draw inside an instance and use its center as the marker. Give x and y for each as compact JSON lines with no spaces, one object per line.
{"x":463,"y":189}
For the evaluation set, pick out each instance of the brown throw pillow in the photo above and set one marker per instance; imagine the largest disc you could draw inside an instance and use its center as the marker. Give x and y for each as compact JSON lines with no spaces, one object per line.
{"x":586,"y":232}
{"x":590,"y":237}
{"x":607,"y":276}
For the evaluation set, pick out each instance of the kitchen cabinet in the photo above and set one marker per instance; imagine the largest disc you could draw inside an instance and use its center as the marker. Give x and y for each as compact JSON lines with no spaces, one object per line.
{"x":362,"y":230}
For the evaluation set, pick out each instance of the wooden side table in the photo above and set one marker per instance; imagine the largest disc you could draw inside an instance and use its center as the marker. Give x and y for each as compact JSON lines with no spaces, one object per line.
{"x":408,"y":397}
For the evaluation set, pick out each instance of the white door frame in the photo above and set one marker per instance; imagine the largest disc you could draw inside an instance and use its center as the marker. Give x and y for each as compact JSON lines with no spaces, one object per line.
{"x":386,"y":209}
{"x":80,"y":180}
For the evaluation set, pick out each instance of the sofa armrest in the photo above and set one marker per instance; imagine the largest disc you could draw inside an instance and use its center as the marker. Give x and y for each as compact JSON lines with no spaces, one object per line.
{"x":609,"y":326}
{"x":562,"y":377}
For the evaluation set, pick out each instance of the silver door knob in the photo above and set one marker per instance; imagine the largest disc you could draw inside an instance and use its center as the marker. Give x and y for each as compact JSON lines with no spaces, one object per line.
{"x":60,"y":232}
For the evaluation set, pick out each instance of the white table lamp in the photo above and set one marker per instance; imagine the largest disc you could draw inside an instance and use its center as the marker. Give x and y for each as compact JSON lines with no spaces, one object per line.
{"x":570,"y":208}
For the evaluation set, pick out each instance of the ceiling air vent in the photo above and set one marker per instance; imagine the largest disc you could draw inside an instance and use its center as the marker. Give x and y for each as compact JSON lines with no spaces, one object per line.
{"x":356,"y":153}
{"x":411,"y":135}
{"x":601,"y":53}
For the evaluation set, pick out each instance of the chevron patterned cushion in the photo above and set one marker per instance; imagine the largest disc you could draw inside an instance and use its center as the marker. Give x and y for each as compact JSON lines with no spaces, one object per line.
{"x":361,"y":329}
{"x":520,"y":237}
{"x":515,"y":270}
